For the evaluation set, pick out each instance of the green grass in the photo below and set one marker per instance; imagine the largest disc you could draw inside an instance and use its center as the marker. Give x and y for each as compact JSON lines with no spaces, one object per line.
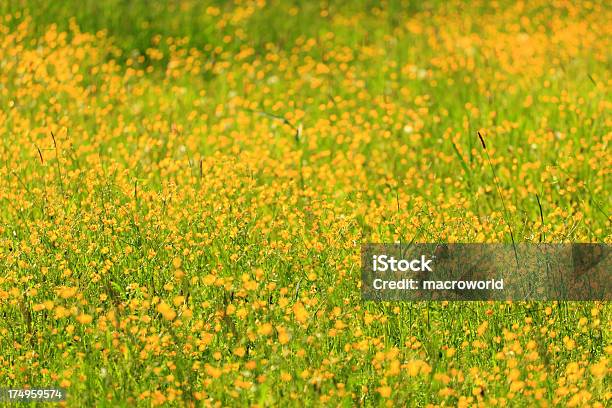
{"x":195,"y":156}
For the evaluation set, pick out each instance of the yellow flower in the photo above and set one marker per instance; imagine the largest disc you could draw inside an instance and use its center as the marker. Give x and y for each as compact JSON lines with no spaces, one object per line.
{"x":67,"y":292}
{"x":84,"y":318}
{"x":177,"y":262}
{"x":599,"y":369}
{"x":166,"y":311}
{"x":300,"y":313}
{"x":213,"y":371}
{"x":384,"y":391}
{"x":265,"y":329}
{"x":283,"y":336}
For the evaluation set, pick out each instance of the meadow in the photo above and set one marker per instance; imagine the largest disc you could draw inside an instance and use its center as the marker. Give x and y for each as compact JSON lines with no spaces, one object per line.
{"x":185,"y":187}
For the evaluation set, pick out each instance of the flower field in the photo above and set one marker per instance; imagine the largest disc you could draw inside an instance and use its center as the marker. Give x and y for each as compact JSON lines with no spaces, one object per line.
{"x":185,"y":187}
